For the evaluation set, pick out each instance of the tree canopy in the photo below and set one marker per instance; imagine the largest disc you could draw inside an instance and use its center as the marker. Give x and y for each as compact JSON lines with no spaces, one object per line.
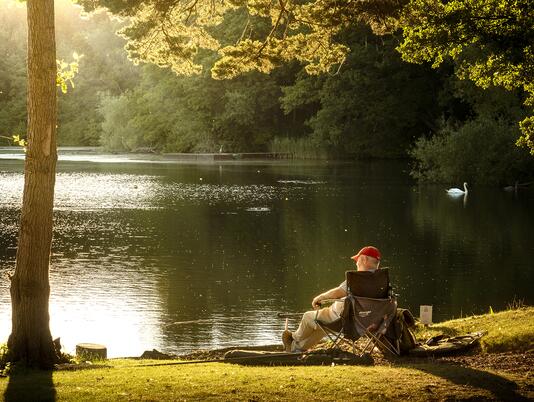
{"x":490,"y":41}
{"x":371,"y":104}
{"x":171,"y":32}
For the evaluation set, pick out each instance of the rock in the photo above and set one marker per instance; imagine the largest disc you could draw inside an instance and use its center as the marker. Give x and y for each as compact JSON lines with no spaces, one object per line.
{"x":156,"y":354}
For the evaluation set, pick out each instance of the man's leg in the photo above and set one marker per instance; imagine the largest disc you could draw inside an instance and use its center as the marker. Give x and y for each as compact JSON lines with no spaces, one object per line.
{"x":309,"y":333}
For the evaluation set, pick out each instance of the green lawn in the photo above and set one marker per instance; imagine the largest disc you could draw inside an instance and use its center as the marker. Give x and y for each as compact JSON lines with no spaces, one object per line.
{"x":415,"y":379}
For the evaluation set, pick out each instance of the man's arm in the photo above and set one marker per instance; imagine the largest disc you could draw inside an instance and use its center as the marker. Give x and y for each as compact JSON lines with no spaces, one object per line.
{"x":335,"y":293}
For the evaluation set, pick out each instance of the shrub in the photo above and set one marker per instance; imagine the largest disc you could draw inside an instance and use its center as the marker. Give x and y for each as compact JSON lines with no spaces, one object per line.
{"x":480,"y":151}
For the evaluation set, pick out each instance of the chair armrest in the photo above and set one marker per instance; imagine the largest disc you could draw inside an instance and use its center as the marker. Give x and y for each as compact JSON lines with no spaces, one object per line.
{"x":332,"y":301}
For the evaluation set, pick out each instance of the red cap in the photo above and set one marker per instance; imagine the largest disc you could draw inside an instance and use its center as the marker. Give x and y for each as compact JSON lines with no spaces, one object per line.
{"x":369,"y":251}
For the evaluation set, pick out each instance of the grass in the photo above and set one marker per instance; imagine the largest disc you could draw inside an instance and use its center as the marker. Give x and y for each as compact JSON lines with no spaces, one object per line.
{"x":423,"y":379}
{"x":216,"y":381}
{"x":511,"y":330}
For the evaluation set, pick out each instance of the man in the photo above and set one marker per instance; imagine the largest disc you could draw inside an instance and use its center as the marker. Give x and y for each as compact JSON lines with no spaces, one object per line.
{"x":309,"y":333}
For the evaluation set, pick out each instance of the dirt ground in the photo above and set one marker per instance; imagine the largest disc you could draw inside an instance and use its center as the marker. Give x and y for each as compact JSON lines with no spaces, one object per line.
{"x":516,"y":363}
{"x":511,"y":362}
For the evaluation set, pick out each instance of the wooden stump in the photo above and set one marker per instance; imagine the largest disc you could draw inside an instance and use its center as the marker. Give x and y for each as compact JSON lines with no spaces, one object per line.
{"x":91,"y":351}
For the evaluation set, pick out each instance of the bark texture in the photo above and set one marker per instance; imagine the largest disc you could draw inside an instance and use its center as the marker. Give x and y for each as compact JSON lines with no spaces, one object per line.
{"x":30,"y":340}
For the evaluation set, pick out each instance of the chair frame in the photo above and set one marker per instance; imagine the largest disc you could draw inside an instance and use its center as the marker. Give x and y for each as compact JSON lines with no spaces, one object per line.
{"x":374,"y":339}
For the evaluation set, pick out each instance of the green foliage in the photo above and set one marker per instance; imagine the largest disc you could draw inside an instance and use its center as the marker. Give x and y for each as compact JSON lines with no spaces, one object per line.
{"x":15,"y":139}
{"x":66,"y":72}
{"x":160,"y":114}
{"x":171,"y":33}
{"x":527,"y":130}
{"x":373,"y":107}
{"x":251,"y":114}
{"x":19,"y":141}
{"x":199,"y":114}
{"x":478,"y":151}
{"x":12,"y":68}
{"x":104,"y":68}
{"x":167,"y":113}
{"x":370,"y":105}
{"x":491,"y":42}
{"x":475,"y":145}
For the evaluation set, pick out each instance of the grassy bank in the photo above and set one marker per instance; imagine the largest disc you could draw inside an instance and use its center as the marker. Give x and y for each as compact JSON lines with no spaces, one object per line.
{"x":508,"y":331}
{"x":416,"y":379}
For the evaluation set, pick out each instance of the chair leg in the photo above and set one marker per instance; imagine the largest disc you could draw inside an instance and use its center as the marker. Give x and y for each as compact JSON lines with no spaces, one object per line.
{"x":372,"y":340}
{"x":369,"y":341}
{"x":381,"y":340}
{"x":335,"y":337}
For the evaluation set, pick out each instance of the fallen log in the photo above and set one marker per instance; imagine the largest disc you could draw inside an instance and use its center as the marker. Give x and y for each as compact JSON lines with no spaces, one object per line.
{"x":264,"y":358}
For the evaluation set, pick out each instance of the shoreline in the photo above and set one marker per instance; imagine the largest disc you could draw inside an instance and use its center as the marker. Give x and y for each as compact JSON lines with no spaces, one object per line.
{"x":96,"y":155}
{"x":496,"y":341}
{"x":147,"y":154}
{"x":500,"y":370}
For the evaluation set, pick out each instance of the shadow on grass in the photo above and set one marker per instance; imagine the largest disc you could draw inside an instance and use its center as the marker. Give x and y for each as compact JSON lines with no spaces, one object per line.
{"x":30,"y":385}
{"x":500,"y":387}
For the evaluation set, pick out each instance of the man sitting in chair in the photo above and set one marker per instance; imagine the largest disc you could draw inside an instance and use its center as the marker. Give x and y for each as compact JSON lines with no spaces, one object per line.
{"x":309,"y":333}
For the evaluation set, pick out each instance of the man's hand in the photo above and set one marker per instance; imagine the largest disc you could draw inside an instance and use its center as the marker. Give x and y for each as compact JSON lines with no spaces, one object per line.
{"x":316,"y":302}
{"x":335,"y":293}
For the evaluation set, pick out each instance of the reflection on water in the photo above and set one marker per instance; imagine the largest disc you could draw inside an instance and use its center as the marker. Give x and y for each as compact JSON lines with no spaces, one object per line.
{"x":179,"y":257}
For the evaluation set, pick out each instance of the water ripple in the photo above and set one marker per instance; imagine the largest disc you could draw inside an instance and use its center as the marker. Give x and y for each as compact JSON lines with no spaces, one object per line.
{"x":97,"y":191}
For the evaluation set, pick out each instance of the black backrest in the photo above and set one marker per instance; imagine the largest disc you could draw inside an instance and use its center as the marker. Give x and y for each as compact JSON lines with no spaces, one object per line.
{"x":369,"y":284}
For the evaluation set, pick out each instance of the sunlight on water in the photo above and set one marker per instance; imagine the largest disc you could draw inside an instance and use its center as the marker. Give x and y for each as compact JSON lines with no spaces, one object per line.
{"x":93,"y":191}
{"x":301,"y":182}
{"x":104,"y":294}
{"x":179,"y":257}
{"x":213,"y":194}
{"x":92,"y":301}
{"x":11,"y":185}
{"x":78,"y":191}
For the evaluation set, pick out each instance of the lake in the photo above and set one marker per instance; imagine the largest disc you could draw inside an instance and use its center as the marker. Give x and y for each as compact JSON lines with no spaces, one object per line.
{"x":174,"y":256}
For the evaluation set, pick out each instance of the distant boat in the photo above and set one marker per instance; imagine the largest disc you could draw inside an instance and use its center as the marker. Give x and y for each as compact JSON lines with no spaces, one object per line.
{"x":457,"y":191}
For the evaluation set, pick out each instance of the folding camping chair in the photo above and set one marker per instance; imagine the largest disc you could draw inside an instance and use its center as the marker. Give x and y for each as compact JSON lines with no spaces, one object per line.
{"x":368,"y":310}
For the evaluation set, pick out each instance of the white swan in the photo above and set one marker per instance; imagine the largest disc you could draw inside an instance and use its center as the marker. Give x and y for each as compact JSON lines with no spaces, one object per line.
{"x":457,"y":191}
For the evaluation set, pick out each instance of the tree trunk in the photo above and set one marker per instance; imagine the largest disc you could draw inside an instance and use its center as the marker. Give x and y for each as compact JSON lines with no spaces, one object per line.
{"x":30,"y":341}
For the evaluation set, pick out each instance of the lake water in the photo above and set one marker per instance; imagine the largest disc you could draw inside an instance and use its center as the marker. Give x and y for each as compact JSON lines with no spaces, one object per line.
{"x":180,"y":256}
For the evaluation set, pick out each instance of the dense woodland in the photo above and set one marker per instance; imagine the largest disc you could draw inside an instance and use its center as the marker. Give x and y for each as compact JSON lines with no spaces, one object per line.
{"x":375,"y":106}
